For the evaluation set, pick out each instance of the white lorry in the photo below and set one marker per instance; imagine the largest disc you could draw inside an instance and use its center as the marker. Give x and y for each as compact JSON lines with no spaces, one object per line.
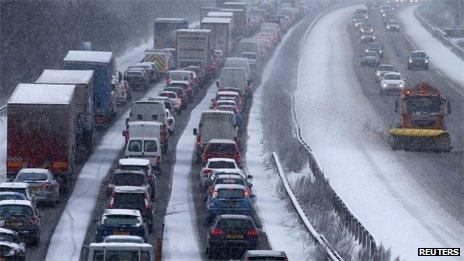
{"x":221,"y":33}
{"x":194,"y":48}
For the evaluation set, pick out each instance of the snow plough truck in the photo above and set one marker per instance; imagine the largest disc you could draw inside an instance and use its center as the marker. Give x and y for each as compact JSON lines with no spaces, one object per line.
{"x":422,"y":126}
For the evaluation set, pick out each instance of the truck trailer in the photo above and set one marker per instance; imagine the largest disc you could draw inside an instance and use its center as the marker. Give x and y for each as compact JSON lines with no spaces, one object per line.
{"x":221,"y":33}
{"x":165,"y":31}
{"x":194,"y":49}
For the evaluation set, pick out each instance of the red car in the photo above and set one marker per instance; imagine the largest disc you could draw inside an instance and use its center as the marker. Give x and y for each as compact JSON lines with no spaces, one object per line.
{"x":218,"y":148}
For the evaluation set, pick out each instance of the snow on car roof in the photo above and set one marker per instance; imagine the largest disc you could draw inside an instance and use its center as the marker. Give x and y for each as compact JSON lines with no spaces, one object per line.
{"x":65,"y":76}
{"x":34,"y":170}
{"x":30,"y":93}
{"x":169,"y":19}
{"x":6,"y":231}
{"x":221,"y":159}
{"x":119,"y":245}
{"x":128,"y":189}
{"x":14,"y":185}
{"x":229,"y":186}
{"x":88,"y":56}
{"x":179,"y":71}
{"x":168,"y":92}
{"x":228,"y":93}
{"x":134,"y":161}
{"x":222,"y":141}
{"x":178,"y":82}
{"x":392,"y":73}
{"x":216,"y":20}
{"x":144,"y":123}
{"x":234,"y":216}
{"x":220,"y":112}
{"x":15,"y":202}
{"x":9,"y":244}
{"x":120,"y":211}
{"x":220,"y":14}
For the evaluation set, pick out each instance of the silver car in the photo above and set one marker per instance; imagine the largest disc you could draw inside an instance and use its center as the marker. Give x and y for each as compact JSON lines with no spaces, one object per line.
{"x":42,"y":184}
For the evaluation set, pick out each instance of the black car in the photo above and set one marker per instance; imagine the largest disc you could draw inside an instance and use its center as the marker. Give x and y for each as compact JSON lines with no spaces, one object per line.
{"x":21,"y":216}
{"x":122,"y":222}
{"x":232,"y":235}
{"x":375,"y":47}
{"x":418,"y":60}
{"x":370,"y":59}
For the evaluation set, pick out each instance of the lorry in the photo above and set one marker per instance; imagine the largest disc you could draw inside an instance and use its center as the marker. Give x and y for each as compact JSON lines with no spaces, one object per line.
{"x":205,"y":11}
{"x":162,"y":58}
{"x":240,"y":10}
{"x":165,"y":31}
{"x":250,"y":45}
{"x":104,"y":66}
{"x":221,"y":33}
{"x":214,"y":124}
{"x":422,"y":126}
{"x":222,"y":14}
{"x":194,"y":49}
{"x":238,"y":20}
{"x":43,"y":130}
{"x":84,"y":82}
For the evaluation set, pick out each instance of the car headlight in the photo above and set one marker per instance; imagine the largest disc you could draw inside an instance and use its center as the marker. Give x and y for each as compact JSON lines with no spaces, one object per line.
{"x":410,"y":60}
{"x":373,"y":37}
{"x":362,"y":37}
{"x":426,"y":61}
{"x":378,"y":73}
{"x":367,"y":50}
{"x":401,"y":84}
{"x":388,"y":27}
{"x":384,"y":85}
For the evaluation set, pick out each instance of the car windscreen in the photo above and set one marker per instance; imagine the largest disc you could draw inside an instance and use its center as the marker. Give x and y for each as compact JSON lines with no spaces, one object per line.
{"x":220,"y":147}
{"x":418,"y":55}
{"x":150,"y":146}
{"x":15,"y":210}
{"x":19,"y":190}
{"x":128,"y":179}
{"x":221,"y":165}
{"x":129,"y":200}
{"x":252,"y":56}
{"x":118,"y":220}
{"x":8,"y":237}
{"x":392,"y":77}
{"x":228,"y":193}
{"x":179,"y":76}
{"x":230,"y":224}
{"x":373,"y":46}
{"x":176,"y":90}
{"x":125,"y":255}
{"x":226,"y":108}
{"x":135,"y":145}
{"x":31,"y":176}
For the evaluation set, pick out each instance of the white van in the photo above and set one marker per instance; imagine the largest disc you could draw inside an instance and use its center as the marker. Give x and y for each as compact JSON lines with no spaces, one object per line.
{"x":238,"y":62}
{"x":250,"y":45}
{"x":148,"y":111}
{"x":146,"y":129}
{"x":235,"y":78}
{"x":146,"y":148}
{"x":121,"y":251}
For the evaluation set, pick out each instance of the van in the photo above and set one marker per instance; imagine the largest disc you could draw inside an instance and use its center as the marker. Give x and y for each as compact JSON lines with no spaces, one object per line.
{"x":146,"y":129}
{"x":235,"y":78}
{"x":238,"y":62}
{"x":148,"y":111}
{"x":146,"y":148}
{"x":120,"y":251}
{"x":250,"y":45}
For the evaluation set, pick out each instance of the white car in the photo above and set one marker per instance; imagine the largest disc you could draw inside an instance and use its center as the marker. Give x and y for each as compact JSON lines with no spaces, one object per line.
{"x":391,"y":82}
{"x":383,"y":69}
{"x":171,"y":122}
{"x":214,"y":165}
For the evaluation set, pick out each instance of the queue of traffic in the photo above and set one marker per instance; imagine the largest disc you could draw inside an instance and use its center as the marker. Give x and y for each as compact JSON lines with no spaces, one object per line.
{"x":52,"y":126}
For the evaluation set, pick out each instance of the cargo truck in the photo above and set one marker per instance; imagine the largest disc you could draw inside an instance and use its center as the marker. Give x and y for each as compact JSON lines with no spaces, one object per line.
{"x":239,"y":21}
{"x":194,"y":49}
{"x":240,"y":10}
{"x":221,"y":33}
{"x":165,"y":31}
{"x":43,"y":130}
{"x":162,"y":58}
{"x":104,"y":66}
{"x":205,"y":11}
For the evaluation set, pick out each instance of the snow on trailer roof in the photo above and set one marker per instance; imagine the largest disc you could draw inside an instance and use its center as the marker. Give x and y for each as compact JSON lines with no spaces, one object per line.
{"x":193,"y":31}
{"x":134,"y":161}
{"x":222,"y":141}
{"x":65,"y":76}
{"x":168,"y":19}
{"x":216,"y":20}
{"x":30,"y":93}
{"x":88,"y":56}
{"x":220,"y":14}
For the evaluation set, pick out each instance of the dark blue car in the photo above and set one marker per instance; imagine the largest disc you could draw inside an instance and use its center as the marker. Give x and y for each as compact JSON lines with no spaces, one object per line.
{"x":127,"y":222}
{"x":229,"y":199}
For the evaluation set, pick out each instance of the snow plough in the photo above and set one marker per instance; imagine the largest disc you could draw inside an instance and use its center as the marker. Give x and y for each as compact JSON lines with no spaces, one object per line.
{"x":422,"y":126}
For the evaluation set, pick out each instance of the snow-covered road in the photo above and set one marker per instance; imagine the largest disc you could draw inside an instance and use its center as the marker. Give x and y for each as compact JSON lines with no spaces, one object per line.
{"x":345,"y":133}
{"x":441,"y":56}
{"x":181,"y":240}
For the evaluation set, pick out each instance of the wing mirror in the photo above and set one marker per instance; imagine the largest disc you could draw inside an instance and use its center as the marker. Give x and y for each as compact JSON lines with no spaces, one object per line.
{"x":195,"y":131}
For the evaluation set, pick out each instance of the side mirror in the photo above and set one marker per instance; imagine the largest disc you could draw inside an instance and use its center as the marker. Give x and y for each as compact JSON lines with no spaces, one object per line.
{"x":124,"y":133}
{"x":195,"y":131}
{"x":127,"y":121}
{"x":396,"y":107}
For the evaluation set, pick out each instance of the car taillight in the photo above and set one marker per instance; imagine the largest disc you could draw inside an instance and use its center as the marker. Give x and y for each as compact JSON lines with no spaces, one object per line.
{"x":217,"y":232}
{"x":48,"y":186}
{"x":237,"y":158}
{"x":207,"y":172}
{"x":253,"y":232}
{"x":198,"y":140}
{"x":34,"y":220}
{"x":158,"y":161}
{"x":247,"y":192}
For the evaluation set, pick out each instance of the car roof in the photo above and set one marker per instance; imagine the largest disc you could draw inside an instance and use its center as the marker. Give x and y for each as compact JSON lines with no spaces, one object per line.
{"x":129,"y":189}
{"x":144,"y":123}
{"x":88,"y":56}
{"x":16,"y":202}
{"x":9,"y":244}
{"x":180,"y":71}
{"x":120,"y":211}
{"x":134,"y":161}
{"x":222,"y":141}
{"x":178,"y":82}
{"x":227,"y":176}
{"x":233,"y":216}
{"x":229,"y":186}
{"x":265,"y":253}
{"x":228,"y":93}
{"x":170,"y":92}
{"x":392,"y":73}
{"x":14,"y":185}
{"x":34,"y":170}
{"x":11,"y":193}
{"x":129,"y":172}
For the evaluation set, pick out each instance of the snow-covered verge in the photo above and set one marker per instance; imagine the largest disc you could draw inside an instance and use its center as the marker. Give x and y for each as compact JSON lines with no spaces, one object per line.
{"x":180,"y":232}
{"x":337,"y":121}
{"x":440,"y":55}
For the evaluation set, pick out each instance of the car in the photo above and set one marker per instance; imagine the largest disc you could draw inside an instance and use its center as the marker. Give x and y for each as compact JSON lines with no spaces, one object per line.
{"x":171,"y":122}
{"x":181,"y":75}
{"x":137,"y":79}
{"x":367,"y":37}
{"x":392,"y":26}
{"x":186,"y":86}
{"x":229,"y":199}
{"x":166,"y":100}
{"x":220,"y":148}
{"x":418,"y":60}
{"x":176,"y":102}
{"x":124,"y":222}
{"x":224,"y":101}
{"x":8,"y":235}
{"x":145,"y":147}
{"x":370,"y":59}
{"x":382,"y":69}
{"x":230,"y":179}
{"x":151,"y":68}
{"x":22,"y":217}
{"x":232,"y":234}
{"x":375,"y":47}
{"x":123,"y":239}
{"x":138,"y":198}
{"x":12,"y":195}
{"x":42,"y":184}
{"x":121,"y":88}
{"x":233,"y":172}
{"x":135,"y":178}
{"x":366,"y":28}
{"x":214,"y":165}
{"x":11,"y":251}
{"x":263,"y":255}
{"x":181,"y":93}
{"x":19,"y":187}
{"x":138,"y":165}
{"x":392,"y":81}
{"x":234,"y":109}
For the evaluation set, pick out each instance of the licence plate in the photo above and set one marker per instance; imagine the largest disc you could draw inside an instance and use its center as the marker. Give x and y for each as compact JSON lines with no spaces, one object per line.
{"x":121,"y":233}
{"x":234,"y":236}
{"x":13,"y":224}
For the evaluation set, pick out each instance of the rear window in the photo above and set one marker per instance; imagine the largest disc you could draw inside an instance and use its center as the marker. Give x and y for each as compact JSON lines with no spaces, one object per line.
{"x":221,"y":165}
{"x":117,"y":220}
{"x":130,"y":255}
{"x":220,"y":147}
{"x":129,"y":200}
{"x":230,"y":193}
{"x":9,"y":237}
{"x":386,"y":68}
{"x":169,"y":95}
{"x":126,"y":179}
{"x":234,"y":223}
{"x":19,"y":190}
{"x":31,"y":176}
{"x":136,"y":168}
{"x":135,"y":145}
{"x":15,"y":210}
{"x":266,"y":258}
{"x":150,"y":146}
{"x":230,"y":181}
